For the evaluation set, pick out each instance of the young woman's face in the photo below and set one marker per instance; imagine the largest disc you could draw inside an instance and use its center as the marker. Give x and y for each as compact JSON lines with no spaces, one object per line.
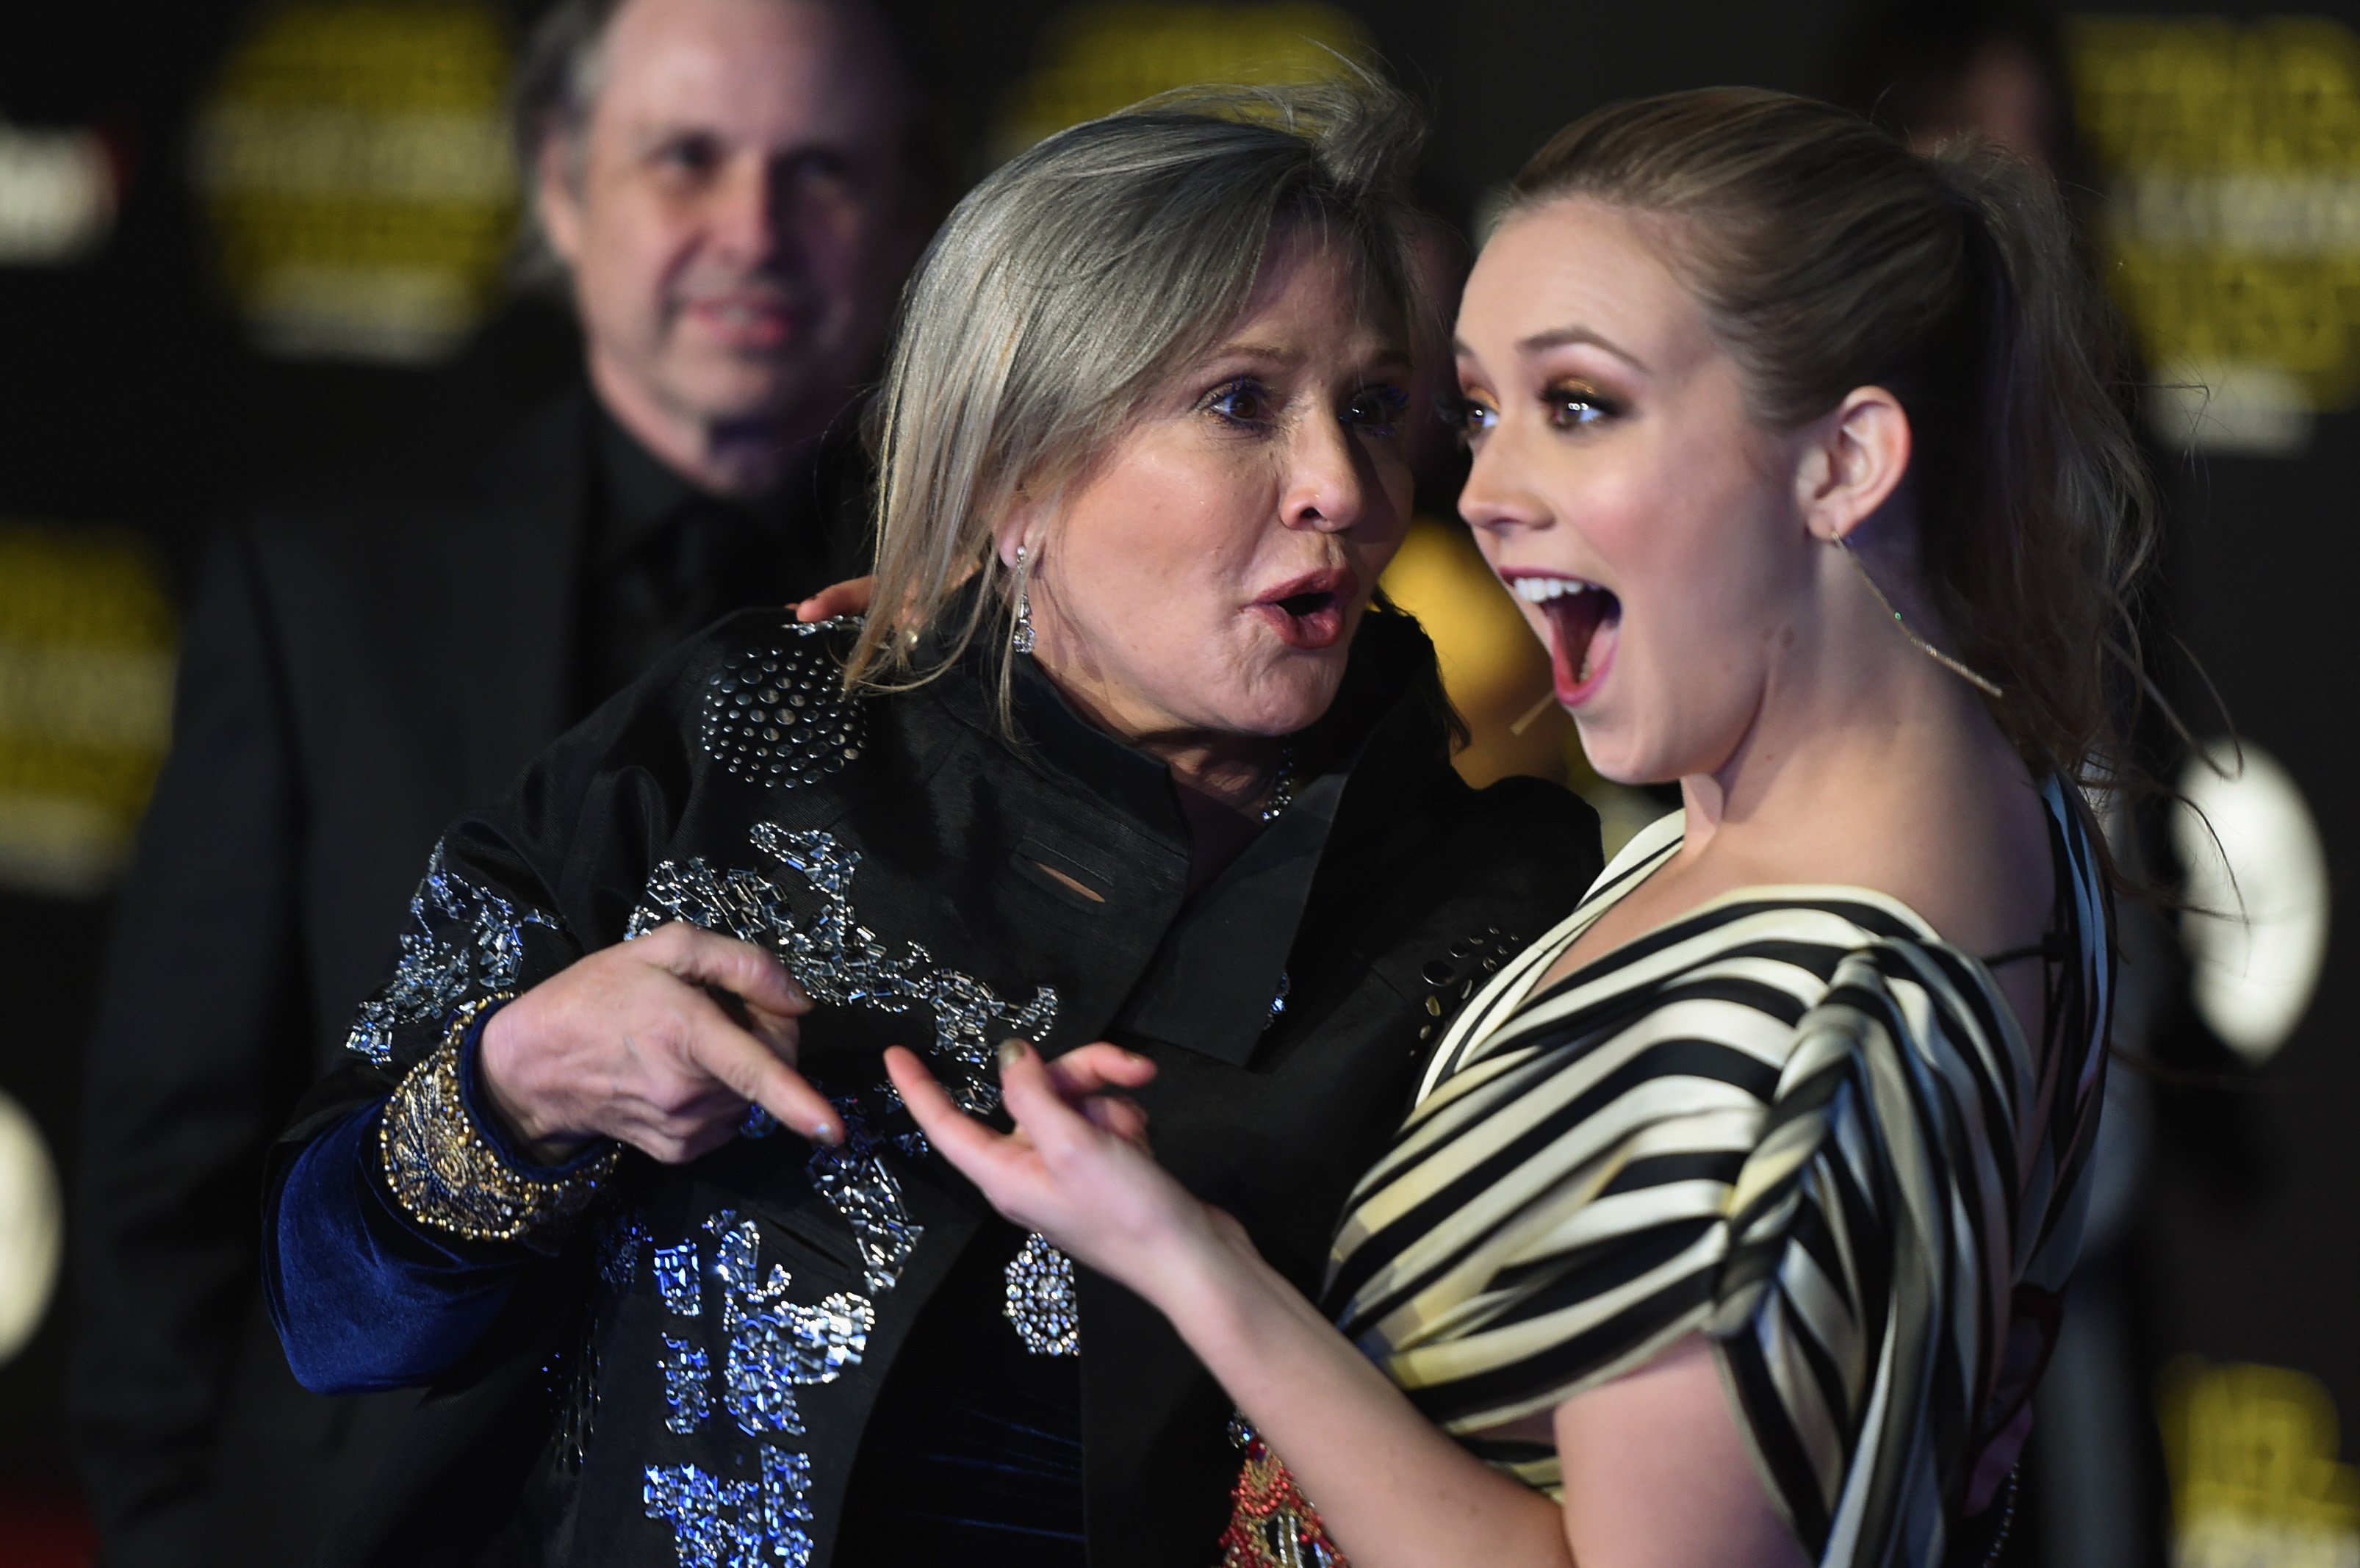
{"x":1206,"y":577}
{"x":1648,"y":526}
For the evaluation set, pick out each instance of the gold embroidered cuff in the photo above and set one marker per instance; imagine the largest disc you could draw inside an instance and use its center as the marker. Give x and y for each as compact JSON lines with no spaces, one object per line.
{"x":446,"y":1174}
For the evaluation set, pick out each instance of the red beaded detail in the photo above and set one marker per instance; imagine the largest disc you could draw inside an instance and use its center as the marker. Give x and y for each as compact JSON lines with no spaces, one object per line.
{"x":1271,"y":1523}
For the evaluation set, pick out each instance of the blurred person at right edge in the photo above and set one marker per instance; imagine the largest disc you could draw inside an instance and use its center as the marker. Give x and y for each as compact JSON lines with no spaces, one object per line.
{"x":728,"y":193}
{"x":1731,"y":1221}
{"x":2095,"y":1492}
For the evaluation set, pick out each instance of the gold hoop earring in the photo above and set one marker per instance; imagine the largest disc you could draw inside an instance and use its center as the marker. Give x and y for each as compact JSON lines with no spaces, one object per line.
{"x":1989,"y":688}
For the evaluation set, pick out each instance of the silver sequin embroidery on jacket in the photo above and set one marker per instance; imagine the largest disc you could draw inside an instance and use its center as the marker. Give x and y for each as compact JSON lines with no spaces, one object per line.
{"x":774,"y":1345}
{"x":462,"y":939}
{"x":1041,"y":1305}
{"x":687,"y":1397}
{"x":777,"y":1346}
{"x":863,"y":1190}
{"x":837,"y":959}
{"x":777,"y":716}
{"x":758,"y":1523}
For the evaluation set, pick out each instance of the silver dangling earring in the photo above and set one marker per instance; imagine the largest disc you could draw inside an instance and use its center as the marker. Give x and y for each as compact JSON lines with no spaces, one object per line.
{"x":1989,"y":688}
{"x":1019,"y":636}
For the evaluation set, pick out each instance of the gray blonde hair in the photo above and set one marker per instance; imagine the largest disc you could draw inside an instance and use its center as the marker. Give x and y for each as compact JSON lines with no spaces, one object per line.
{"x":556,"y":79}
{"x":1067,"y":289}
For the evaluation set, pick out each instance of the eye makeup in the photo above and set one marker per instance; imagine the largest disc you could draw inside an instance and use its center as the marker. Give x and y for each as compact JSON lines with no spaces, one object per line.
{"x":1571,"y":402}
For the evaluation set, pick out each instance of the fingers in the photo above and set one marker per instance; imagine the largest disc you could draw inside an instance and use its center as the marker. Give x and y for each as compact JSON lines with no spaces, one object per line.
{"x":1118,"y":1114}
{"x":777,"y":1031}
{"x":679,"y":1148}
{"x":850,"y":598}
{"x":1031,"y":1095}
{"x":1093,"y":1069}
{"x":752,"y":1072}
{"x":741,"y":968}
{"x":960,"y":1138}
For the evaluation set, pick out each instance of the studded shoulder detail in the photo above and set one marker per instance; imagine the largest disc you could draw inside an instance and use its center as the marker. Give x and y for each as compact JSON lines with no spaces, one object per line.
{"x":776,"y":715}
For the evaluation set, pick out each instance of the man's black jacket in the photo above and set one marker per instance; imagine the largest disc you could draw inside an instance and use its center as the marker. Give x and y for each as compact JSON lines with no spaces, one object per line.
{"x":361,"y":662}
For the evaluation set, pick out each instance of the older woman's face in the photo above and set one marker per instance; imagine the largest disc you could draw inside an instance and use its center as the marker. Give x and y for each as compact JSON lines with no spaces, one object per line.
{"x":1648,"y":526}
{"x":1205,"y":578}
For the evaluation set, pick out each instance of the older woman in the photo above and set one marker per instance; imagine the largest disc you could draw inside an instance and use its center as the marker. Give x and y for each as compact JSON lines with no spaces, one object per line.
{"x":1126,"y":755}
{"x":1731,"y":1225}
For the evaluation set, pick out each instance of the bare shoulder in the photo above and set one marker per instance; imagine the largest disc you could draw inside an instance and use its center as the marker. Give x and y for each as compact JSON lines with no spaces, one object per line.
{"x":1973,"y":862}
{"x":1968,"y":853}
{"x":1962,"y":840}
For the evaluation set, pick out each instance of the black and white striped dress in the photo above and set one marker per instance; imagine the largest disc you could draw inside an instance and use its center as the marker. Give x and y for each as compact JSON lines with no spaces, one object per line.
{"x":1794,"y":1118}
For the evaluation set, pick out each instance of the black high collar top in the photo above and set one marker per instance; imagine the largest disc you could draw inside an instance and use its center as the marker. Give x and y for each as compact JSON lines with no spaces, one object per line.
{"x":721,"y":1330}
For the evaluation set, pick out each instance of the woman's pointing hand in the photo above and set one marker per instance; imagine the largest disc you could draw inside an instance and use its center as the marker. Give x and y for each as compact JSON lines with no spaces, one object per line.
{"x":1077,"y":1169}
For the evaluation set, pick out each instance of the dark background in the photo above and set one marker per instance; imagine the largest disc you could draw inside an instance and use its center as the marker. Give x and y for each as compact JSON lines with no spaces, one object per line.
{"x":130,"y":398}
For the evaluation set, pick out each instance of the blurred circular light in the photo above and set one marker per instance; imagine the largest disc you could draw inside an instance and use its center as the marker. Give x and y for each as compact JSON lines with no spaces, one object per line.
{"x":2257,"y":927}
{"x":32,"y":1227}
{"x":353,"y":160}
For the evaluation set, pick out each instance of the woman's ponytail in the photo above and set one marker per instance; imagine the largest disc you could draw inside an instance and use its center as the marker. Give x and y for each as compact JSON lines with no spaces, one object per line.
{"x":2063,"y":505}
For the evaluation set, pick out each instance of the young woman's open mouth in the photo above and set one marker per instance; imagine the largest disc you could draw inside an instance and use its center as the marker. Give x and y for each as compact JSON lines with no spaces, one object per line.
{"x":1309,"y":612}
{"x":1583,"y":620}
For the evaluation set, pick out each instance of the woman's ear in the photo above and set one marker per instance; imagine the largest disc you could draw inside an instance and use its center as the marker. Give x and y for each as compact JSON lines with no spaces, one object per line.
{"x":1015,"y":528}
{"x":1855,"y":457}
{"x":1009,"y":537}
{"x":1025,"y":520}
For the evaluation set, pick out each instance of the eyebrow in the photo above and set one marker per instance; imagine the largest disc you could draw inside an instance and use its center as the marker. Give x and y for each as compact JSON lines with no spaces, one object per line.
{"x":1560,"y":337}
{"x":1267,"y":353}
{"x":1271,"y":354}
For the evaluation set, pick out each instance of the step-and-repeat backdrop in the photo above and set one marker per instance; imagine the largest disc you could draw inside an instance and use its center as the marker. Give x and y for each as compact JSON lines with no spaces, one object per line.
{"x":239,"y":239}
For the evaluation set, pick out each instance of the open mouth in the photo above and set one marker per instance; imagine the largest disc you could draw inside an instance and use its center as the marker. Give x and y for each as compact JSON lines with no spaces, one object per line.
{"x":1309,"y":612}
{"x":1584,"y":619}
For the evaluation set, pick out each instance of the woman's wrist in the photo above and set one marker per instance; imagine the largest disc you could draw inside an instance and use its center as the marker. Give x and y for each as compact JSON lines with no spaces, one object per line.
{"x":1207,"y":1280}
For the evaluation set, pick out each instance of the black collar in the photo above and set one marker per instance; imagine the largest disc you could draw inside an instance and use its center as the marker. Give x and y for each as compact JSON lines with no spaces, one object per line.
{"x":638,"y":493}
{"x":1219,"y":981}
{"x":1221,"y":967}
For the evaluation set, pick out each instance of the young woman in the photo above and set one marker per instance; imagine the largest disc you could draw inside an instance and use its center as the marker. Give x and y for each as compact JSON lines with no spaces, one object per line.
{"x":1730,"y":1223}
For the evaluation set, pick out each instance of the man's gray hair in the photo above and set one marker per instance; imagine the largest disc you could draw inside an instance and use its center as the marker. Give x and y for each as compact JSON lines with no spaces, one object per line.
{"x":556,"y":83}
{"x":1073,"y":283}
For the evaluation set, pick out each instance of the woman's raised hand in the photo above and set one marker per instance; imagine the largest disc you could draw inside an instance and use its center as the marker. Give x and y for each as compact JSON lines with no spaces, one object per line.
{"x":635,"y":1043}
{"x":1078,"y":1169}
{"x":850,"y":598}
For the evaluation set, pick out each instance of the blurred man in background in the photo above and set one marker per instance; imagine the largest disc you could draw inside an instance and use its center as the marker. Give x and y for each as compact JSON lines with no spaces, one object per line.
{"x":731,"y":192}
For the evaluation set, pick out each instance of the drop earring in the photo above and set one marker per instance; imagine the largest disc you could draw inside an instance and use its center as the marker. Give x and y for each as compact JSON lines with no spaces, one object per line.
{"x":1989,"y":688}
{"x":1020,"y":635}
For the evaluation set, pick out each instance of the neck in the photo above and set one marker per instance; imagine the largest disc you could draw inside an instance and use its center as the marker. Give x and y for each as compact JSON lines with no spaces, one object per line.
{"x":741,"y":456}
{"x":1216,"y":771}
{"x":1223,"y":770}
{"x":1221,"y":780}
{"x":1849,"y":711}
{"x":1233,"y":773}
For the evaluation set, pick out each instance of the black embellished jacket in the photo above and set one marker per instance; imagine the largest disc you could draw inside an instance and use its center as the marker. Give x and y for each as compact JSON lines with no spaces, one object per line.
{"x":640,"y":1364}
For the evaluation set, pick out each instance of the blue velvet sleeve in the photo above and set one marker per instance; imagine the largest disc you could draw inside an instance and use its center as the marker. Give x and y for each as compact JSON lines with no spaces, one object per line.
{"x":364,"y":1295}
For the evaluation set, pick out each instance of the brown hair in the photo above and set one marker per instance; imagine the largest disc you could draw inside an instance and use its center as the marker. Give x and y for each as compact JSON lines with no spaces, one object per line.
{"x":1829,"y":256}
